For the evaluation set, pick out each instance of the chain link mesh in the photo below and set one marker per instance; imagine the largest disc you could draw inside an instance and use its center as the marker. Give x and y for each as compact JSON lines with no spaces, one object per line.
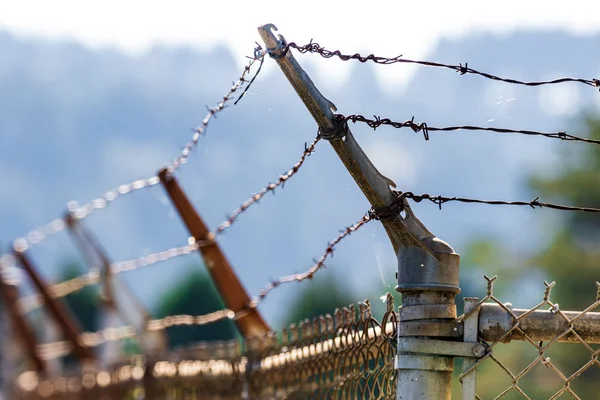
{"x":536,"y":353}
{"x":345,"y":355}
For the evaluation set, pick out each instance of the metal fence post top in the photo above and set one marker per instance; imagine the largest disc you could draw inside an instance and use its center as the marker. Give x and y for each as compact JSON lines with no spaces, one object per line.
{"x":321,"y":108}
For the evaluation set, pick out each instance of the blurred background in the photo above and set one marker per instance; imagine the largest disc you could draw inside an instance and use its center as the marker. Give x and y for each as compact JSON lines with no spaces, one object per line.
{"x":94,"y":96}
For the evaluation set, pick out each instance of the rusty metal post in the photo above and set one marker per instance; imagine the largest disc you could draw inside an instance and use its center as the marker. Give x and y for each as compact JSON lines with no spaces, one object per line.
{"x":234,"y":295}
{"x":20,"y":330}
{"x":59,"y":312}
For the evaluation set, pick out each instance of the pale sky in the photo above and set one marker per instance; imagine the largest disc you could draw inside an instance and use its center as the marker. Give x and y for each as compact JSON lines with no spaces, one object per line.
{"x":385,"y":28}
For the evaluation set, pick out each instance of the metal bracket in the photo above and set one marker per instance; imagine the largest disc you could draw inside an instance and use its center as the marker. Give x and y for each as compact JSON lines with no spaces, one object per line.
{"x":444,"y":329}
{"x":441,"y":348}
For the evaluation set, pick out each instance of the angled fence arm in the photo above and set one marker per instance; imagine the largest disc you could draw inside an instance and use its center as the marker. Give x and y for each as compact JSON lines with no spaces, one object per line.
{"x":59,"y":312}
{"x":92,"y":250}
{"x":233,"y":293}
{"x":92,"y":253}
{"x":403,"y":232}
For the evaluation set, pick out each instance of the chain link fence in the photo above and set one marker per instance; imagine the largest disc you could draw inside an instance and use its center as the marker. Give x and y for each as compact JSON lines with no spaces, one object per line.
{"x":540,"y":352}
{"x":535,"y":353}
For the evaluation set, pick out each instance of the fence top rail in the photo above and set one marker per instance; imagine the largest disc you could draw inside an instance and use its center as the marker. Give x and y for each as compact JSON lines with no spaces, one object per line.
{"x":496,"y":323}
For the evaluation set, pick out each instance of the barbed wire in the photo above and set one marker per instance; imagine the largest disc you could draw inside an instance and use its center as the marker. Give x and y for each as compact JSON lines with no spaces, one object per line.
{"x":212,"y":112}
{"x":378,"y":121}
{"x":92,"y":277}
{"x":315,"y":48}
{"x":94,"y":339}
{"x":53,"y":350}
{"x":65,"y":288}
{"x":308,"y":150}
{"x":40,"y":234}
{"x":439,"y":200}
{"x":318,"y":264}
{"x":259,"y":54}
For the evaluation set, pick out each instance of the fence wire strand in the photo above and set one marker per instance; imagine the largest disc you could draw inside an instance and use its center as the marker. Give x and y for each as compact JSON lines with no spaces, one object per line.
{"x":212,"y":112}
{"x":424,"y":128}
{"x":40,"y":234}
{"x":318,"y":264}
{"x":308,"y":150}
{"x":439,"y":200}
{"x":315,"y":48}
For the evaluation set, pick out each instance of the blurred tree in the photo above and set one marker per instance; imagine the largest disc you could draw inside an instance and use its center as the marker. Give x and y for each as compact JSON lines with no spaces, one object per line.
{"x":573,"y":255}
{"x":322,"y":295}
{"x":195,"y":294}
{"x":571,"y":258}
{"x":84,"y":304}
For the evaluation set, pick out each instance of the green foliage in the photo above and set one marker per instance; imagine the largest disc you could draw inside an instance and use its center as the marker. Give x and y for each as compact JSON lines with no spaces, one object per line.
{"x":195,"y":295}
{"x":321,"y":296}
{"x":84,"y":304}
{"x":572,"y":259}
{"x":573,"y":255}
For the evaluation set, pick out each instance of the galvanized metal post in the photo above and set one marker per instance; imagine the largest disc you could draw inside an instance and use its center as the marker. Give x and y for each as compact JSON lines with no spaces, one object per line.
{"x":428,"y":285}
{"x":427,"y":266}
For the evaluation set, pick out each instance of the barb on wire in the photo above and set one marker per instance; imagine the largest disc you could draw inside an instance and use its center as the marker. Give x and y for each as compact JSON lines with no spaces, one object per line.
{"x":52,"y":350}
{"x":313,"y":47}
{"x":417,"y":127}
{"x":319,"y":264}
{"x":308,"y":150}
{"x":439,"y":200}
{"x":258,"y":55}
{"x":212,"y":112}
{"x":80,"y":212}
{"x":92,"y":277}
{"x":93,"y":339}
